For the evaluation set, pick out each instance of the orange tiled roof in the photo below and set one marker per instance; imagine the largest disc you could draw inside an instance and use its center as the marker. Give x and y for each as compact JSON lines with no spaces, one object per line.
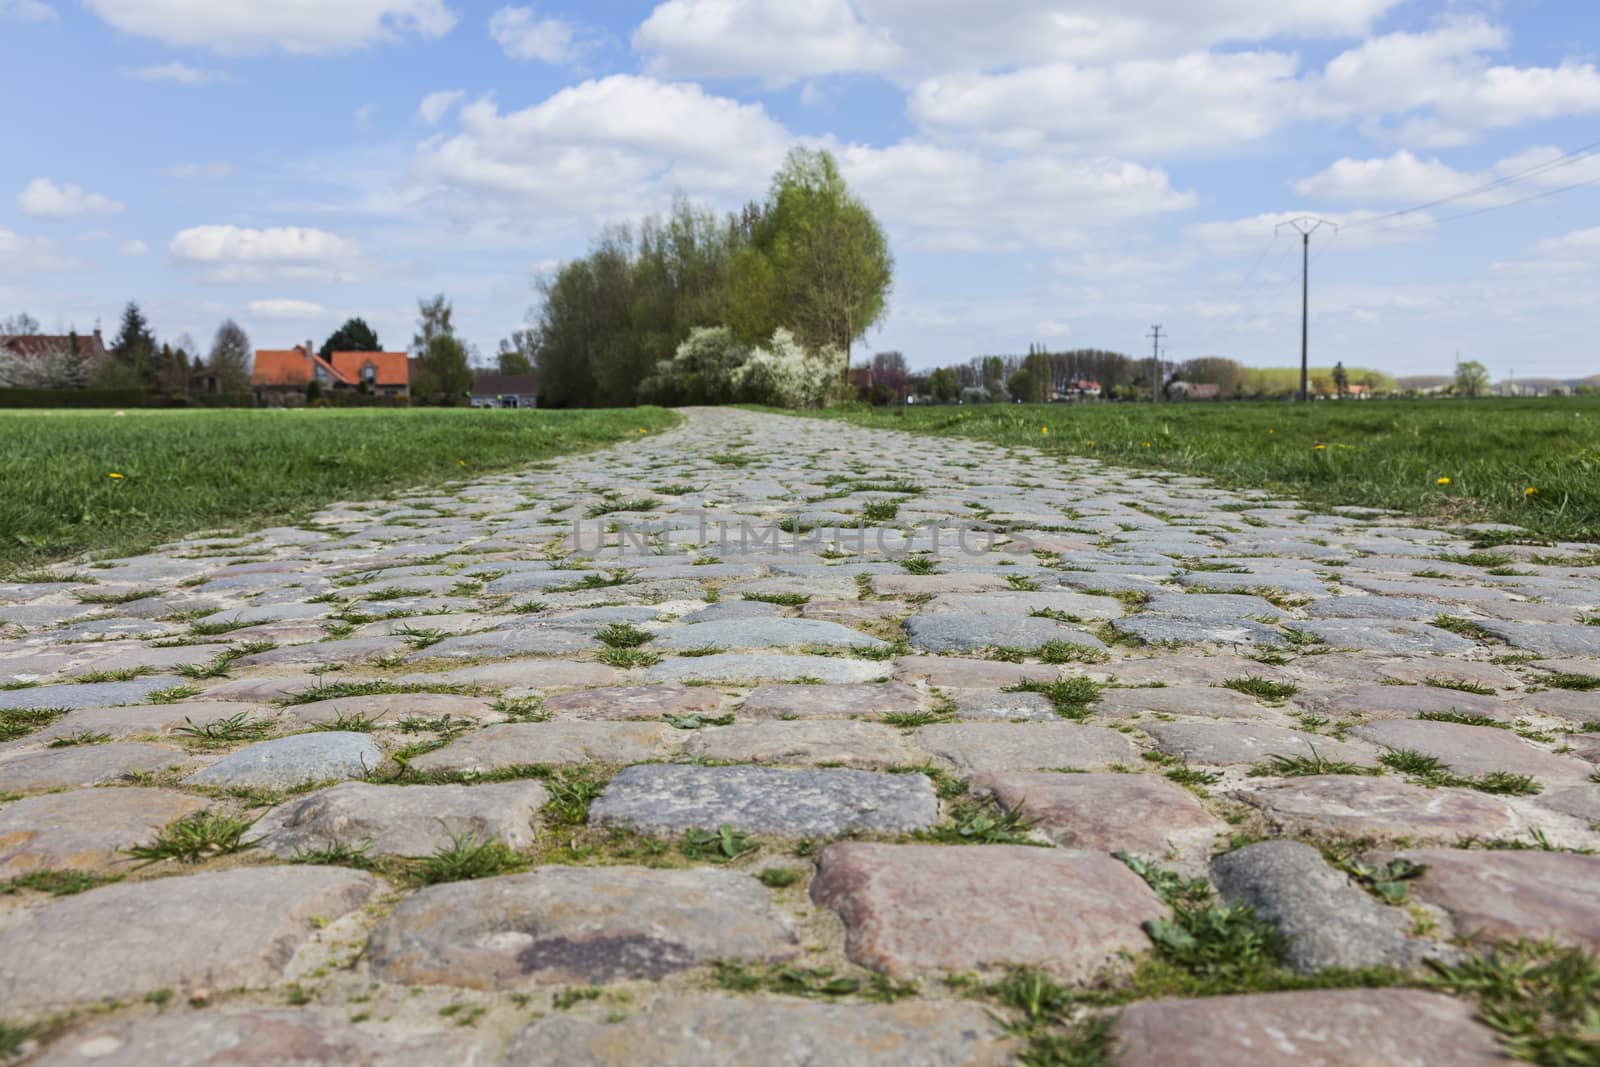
{"x":391,"y":367}
{"x":281,"y":367}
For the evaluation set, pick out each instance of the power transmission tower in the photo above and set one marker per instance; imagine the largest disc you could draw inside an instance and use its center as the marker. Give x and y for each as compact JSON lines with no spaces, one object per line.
{"x":1155,"y":363}
{"x":1305,"y":226}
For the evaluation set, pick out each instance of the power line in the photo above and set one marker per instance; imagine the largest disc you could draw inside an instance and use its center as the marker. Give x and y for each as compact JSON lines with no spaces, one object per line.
{"x":1564,"y":160}
{"x":1493,"y":207}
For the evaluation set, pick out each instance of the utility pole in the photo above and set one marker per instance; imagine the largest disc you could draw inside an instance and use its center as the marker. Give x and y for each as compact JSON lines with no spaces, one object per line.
{"x":1305,"y":226}
{"x":1155,"y":363}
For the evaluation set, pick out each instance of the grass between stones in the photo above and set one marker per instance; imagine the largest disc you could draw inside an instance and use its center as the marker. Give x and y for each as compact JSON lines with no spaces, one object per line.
{"x":192,"y":470}
{"x":20,"y":722}
{"x":1070,"y":697}
{"x":194,"y":838}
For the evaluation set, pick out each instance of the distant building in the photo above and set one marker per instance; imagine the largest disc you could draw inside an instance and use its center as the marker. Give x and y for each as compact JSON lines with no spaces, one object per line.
{"x":505,"y":391}
{"x":281,"y":377}
{"x":1075,"y":389}
{"x":45,"y":350}
{"x":1194,"y":390}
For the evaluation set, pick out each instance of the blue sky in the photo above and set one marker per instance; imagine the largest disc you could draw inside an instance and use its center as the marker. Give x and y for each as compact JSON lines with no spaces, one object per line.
{"x":1064,"y":172}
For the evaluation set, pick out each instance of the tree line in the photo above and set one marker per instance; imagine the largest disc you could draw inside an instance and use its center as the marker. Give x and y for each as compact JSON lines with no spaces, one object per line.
{"x":799,"y":276}
{"x":138,"y":360}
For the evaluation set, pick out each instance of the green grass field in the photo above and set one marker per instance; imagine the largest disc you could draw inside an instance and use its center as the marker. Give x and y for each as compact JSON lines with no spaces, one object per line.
{"x":183,"y":471}
{"x":1380,"y":453}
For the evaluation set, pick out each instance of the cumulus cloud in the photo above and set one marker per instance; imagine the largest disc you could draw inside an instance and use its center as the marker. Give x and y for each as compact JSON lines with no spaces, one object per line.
{"x":609,"y":146}
{"x":1357,"y":229}
{"x":133,"y":248}
{"x":1403,"y":177}
{"x":179,"y":73}
{"x":44,"y":199}
{"x":286,"y":309}
{"x":1139,"y":107}
{"x":947,"y":198}
{"x":295,"y":26}
{"x":434,"y":105}
{"x":777,"y":40}
{"x":522,"y":34}
{"x":782,"y":40}
{"x":233,"y":253}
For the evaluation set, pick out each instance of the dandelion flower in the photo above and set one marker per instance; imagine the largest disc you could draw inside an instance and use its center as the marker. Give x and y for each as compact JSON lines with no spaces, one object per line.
{"x":1319,"y":448}
{"x":462,"y":462}
{"x":1147,"y":444}
{"x":115,"y":476}
{"x":1089,"y":443}
{"x":643,"y":430}
{"x":1530,"y":491}
{"x":1442,"y":481}
{"x":1044,"y":430}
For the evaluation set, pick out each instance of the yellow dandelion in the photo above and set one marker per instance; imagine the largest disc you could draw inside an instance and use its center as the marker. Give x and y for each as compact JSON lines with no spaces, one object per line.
{"x":1273,"y":430}
{"x":1319,"y":448}
{"x":1530,"y":491}
{"x":1089,"y":443}
{"x":1044,"y":430}
{"x":1442,"y":481}
{"x":115,"y":476}
{"x":1147,"y":444}
{"x":643,"y":430}
{"x":462,"y":462}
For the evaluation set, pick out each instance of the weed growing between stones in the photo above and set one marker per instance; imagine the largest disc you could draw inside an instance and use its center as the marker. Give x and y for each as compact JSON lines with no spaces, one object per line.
{"x":696,"y":721}
{"x":82,"y":737}
{"x":466,"y":857}
{"x":126,"y":674}
{"x":1301,"y":766}
{"x":1464,"y":627}
{"x":1440,"y":682}
{"x":971,"y":822}
{"x":194,"y":838}
{"x":628,"y":658}
{"x":171,"y":695}
{"x":1071,"y":697}
{"x":338,"y":854}
{"x":1582,"y":683}
{"x":777,"y":877}
{"x":719,"y":845}
{"x":56,"y":883}
{"x":812,"y":982}
{"x":1462,"y":719}
{"x":20,"y":722}
{"x":1540,"y":996}
{"x":221,"y":731}
{"x":1261,"y":688}
{"x":1423,"y":769}
{"x":373,"y":687}
{"x":1059,"y":652}
{"x":786,"y":600}
{"x":1390,"y":883}
{"x":622,"y":635}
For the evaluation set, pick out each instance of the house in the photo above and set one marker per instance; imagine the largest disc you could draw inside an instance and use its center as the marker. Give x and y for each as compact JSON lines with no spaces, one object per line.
{"x":505,"y":391}
{"x":281,"y":377}
{"x":1357,"y":392}
{"x":42,"y":359}
{"x":1075,"y":389}
{"x":1194,"y":390}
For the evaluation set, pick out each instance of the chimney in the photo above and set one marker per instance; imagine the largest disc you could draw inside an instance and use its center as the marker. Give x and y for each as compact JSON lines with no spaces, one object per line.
{"x":311,"y":347}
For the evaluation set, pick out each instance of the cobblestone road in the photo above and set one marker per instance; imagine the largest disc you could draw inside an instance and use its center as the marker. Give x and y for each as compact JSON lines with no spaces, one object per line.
{"x":772,"y":741}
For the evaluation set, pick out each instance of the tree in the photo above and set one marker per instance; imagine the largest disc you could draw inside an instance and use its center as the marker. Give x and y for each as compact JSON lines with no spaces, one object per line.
{"x":829,"y":256}
{"x":135,"y":345}
{"x":230,"y":358}
{"x":1341,"y":380}
{"x":518,"y":352}
{"x":1472,"y":378}
{"x":1021,"y":386}
{"x":433,"y":320}
{"x":890,"y":370}
{"x":21,"y":324}
{"x":354,"y":336}
{"x":445,"y":376}
{"x":943,"y":385}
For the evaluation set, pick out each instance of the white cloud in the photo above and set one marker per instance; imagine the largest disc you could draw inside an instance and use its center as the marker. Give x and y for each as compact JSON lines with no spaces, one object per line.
{"x":1140,"y":107}
{"x":778,"y":40}
{"x":296,"y":26}
{"x":1402,"y":177}
{"x":27,"y":11}
{"x":434,"y":105}
{"x":947,"y":198}
{"x":1583,"y":244}
{"x":180,"y":73}
{"x":217,"y":169}
{"x":45,"y":199}
{"x":1355,"y":230}
{"x":133,"y":248}
{"x":522,"y":34}
{"x":287,"y":309}
{"x":20,"y":254}
{"x":233,"y":253}
{"x":617,"y":145}
{"x":1447,"y":91}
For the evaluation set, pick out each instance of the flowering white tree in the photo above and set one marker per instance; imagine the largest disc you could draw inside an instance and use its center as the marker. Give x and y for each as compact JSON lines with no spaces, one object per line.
{"x":786,"y":375}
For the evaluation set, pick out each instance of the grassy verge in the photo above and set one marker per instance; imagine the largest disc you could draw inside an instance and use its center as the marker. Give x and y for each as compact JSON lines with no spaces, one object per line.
{"x":1390,"y":454}
{"x":183,"y":471}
